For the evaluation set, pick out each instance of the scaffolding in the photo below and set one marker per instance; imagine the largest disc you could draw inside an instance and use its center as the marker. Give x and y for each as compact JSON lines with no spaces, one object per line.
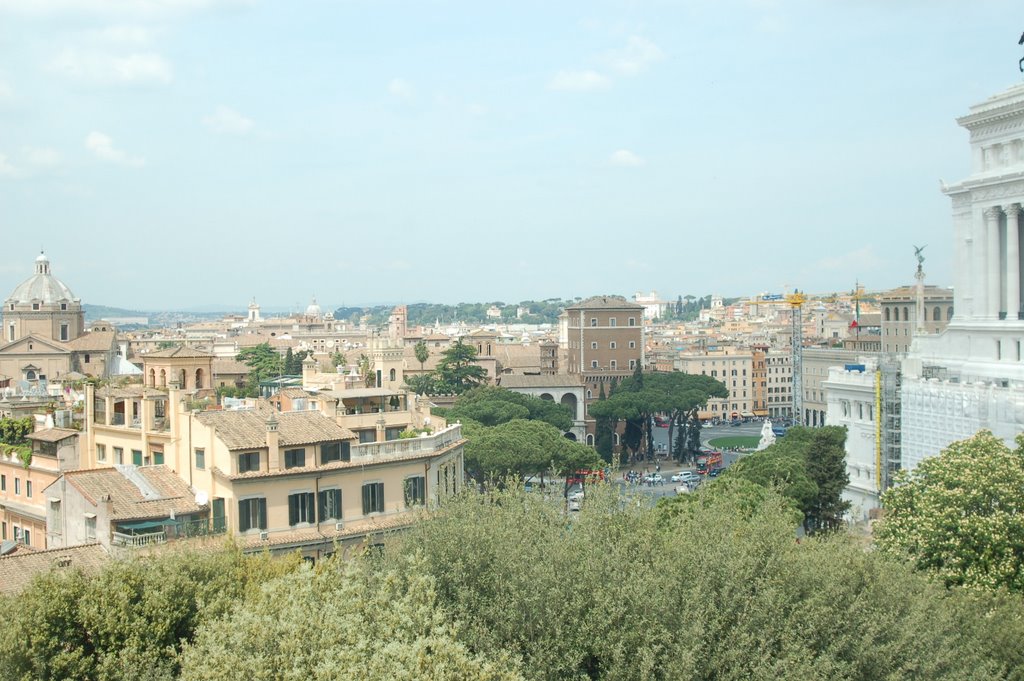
{"x":889,"y":380}
{"x":796,"y":302}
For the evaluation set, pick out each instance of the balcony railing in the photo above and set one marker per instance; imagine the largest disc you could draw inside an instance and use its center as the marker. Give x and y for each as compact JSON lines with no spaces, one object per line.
{"x":407,"y":446}
{"x":138,"y":540}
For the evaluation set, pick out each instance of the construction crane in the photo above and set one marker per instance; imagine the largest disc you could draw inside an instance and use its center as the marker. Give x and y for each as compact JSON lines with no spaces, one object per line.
{"x":796,"y":302}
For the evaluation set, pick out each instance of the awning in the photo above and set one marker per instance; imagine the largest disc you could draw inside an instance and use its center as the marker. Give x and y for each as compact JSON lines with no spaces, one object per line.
{"x":760,"y":412}
{"x":747,"y":415}
{"x":144,"y":524}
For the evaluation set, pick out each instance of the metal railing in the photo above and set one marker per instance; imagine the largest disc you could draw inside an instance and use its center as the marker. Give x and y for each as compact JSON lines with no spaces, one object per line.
{"x":138,"y":540}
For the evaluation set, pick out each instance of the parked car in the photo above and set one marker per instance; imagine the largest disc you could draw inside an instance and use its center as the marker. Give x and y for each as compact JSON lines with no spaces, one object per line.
{"x":688,"y":477}
{"x":715,"y":472}
{"x":736,"y":422}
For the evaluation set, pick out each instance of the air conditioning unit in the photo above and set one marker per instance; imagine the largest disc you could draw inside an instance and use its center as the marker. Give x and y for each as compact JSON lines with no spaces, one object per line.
{"x":264,"y":536}
{"x":339,"y":526}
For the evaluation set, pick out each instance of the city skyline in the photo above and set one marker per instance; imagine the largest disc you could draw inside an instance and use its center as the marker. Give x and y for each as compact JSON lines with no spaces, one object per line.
{"x":178,"y":155}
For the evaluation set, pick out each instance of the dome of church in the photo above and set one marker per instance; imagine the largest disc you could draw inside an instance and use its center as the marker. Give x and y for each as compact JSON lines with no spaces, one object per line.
{"x":41,"y":287}
{"x":313,"y":310}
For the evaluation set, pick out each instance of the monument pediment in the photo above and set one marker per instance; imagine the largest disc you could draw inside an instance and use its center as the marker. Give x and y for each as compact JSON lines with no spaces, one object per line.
{"x":33,"y":344}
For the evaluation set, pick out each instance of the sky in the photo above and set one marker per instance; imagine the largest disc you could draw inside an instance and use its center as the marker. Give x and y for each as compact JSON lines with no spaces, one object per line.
{"x":184,"y":154}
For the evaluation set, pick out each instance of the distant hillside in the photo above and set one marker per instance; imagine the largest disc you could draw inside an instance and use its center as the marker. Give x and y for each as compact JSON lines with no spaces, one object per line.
{"x":103,"y":311}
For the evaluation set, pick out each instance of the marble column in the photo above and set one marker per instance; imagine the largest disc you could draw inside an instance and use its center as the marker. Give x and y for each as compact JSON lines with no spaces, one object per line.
{"x":990,"y":272}
{"x":1012,"y":260}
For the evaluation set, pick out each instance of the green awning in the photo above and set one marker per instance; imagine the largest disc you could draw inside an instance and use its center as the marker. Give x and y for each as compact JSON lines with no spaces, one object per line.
{"x":144,"y":524}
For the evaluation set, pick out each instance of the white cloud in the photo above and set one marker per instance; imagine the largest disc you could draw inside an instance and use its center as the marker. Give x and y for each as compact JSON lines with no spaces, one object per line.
{"x":101,"y":68}
{"x":133,"y":35}
{"x":401,"y":88}
{"x":103,"y":147}
{"x":42,"y":157}
{"x":227,"y":121}
{"x":625,"y":158}
{"x":578,"y":81}
{"x":635,"y":58}
{"x":8,"y":170}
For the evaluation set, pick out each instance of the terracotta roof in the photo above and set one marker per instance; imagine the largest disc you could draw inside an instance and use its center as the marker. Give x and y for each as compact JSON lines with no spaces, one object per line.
{"x":229,"y":365}
{"x":293,"y":392}
{"x":52,"y":434}
{"x":605,"y":303}
{"x":247,"y":429}
{"x":169,"y":492}
{"x":179,"y":351}
{"x":18,"y":571}
{"x":94,"y":341}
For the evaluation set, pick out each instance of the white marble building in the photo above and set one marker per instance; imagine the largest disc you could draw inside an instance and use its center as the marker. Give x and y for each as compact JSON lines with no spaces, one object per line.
{"x":971,"y":376}
{"x":852,"y":403}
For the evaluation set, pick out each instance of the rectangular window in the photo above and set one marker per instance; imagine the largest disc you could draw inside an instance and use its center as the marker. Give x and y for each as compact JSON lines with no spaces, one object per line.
{"x":367,"y":436}
{"x":3,"y":531}
{"x":28,"y":489}
{"x":3,"y":483}
{"x":593,"y":346}
{"x":248,"y":462}
{"x":118,"y":455}
{"x":632,"y":321}
{"x":392,"y":433}
{"x":330,"y":504}
{"x":10,"y":332}
{"x":300,"y":509}
{"x":613,"y":322}
{"x":101,"y":453}
{"x":17,"y":486}
{"x":614,"y":364}
{"x":415,"y":491}
{"x":593,"y":321}
{"x":295,"y":458}
{"x":200,"y":458}
{"x":373,"y":498}
{"x":64,"y":332}
{"x":335,"y":451}
{"x":158,"y":458}
{"x":593,"y":364}
{"x":632,"y":364}
{"x":27,"y":536}
{"x":612,"y":346}
{"x":252,"y":514}
{"x":90,"y":526}
{"x":137,"y":457}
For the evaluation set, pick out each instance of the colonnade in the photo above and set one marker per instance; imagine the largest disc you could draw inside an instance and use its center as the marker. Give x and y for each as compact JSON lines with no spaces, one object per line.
{"x":996,"y":264}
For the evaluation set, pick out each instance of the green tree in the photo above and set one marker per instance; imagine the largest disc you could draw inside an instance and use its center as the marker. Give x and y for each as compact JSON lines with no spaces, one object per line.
{"x":422,"y":352}
{"x":456,"y":373}
{"x":338,"y":358}
{"x":369,"y":626}
{"x":423,"y":384}
{"x":127,"y":622}
{"x":492,"y":405}
{"x":289,"y":362}
{"x":960,"y":514}
{"x":720,"y":591}
{"x":604,"y":432}
{"x":523,"y":448}
{"x":263,"y":361}
{"x":365,"y":369}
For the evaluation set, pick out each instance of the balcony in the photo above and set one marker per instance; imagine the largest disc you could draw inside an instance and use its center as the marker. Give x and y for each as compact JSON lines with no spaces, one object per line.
{"x":376,"y":451}
{"x":139,"y":540}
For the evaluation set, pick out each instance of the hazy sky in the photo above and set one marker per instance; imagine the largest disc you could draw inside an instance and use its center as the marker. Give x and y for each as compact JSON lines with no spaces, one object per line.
{"x":177,"y":153}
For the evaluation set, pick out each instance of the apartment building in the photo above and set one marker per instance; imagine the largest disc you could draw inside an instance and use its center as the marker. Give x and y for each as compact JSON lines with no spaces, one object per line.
{"x":604,"y":340}
{"x":23,"y":502}
{"x":779,"y":378}
{"x":735,"y":368}
{"x":900,"y":316}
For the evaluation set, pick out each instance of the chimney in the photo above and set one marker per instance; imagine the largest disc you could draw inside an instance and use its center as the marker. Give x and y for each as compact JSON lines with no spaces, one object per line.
{"x":273,"y":444}
{"x":309,"y":370}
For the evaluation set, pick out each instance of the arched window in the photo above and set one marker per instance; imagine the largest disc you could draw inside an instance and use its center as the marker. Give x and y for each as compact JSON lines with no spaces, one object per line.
{"x":391,"y":375}
{"x":590,"y":439}
{"x":937,"y":314}
{"x":199,"y":379}
{"x":152,"y":378}
{"x":949,"y":313}
{"x":163,"y":378}
{"x":906,"y":314}
{"x":887,"y":315}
